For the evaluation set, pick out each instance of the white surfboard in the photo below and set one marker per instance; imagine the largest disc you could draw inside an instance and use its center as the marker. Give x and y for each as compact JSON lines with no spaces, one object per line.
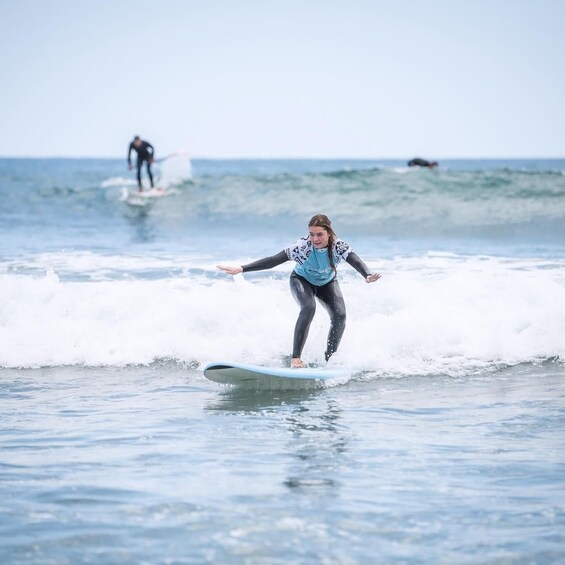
{"x":144,"y":197}
{"x":271,"y":377}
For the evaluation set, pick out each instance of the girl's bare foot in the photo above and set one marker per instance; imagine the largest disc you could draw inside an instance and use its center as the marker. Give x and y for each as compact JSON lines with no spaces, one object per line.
{"x":296,"y":363}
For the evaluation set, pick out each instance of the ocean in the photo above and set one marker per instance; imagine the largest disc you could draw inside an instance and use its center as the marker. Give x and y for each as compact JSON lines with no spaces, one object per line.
{"x":446,"y":445}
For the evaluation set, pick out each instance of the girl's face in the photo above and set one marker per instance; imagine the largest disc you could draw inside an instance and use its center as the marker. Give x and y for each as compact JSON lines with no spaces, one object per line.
{"x":319,"y":236}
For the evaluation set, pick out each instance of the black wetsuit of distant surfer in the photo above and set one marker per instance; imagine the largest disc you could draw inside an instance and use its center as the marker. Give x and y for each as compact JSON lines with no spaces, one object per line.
{"x":312,"y":267}
{"x":418,"y":162}
{"x":145,"y":154}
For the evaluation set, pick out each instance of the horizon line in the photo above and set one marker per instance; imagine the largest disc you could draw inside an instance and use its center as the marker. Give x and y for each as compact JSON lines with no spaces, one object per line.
{"x":279,"y":158}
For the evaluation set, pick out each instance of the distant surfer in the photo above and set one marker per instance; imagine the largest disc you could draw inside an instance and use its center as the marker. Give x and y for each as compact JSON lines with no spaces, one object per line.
{"x":314,"y":276}
{"x":145,"y":154}
{"x":419,"y":162}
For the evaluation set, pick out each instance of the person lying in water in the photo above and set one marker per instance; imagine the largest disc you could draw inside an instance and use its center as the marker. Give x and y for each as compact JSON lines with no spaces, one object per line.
{"x":314,"y":277}
{"x":419,"y":162}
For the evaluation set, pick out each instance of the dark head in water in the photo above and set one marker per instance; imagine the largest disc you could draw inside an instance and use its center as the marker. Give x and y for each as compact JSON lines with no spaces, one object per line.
{"x":418,"y":162}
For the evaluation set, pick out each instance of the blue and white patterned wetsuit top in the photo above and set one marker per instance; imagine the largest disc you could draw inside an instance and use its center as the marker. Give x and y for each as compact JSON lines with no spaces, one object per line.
{"x":314,"y":264}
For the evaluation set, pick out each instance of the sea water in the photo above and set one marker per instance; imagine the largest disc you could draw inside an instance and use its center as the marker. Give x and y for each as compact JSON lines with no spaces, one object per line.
{"x":445,"y":445}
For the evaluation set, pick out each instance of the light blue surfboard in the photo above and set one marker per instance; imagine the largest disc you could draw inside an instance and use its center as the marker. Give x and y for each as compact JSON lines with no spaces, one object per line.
{"x":251,"y":375}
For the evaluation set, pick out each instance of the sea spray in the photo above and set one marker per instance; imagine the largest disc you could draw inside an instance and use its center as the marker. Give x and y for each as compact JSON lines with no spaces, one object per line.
{"x":433,"y":314}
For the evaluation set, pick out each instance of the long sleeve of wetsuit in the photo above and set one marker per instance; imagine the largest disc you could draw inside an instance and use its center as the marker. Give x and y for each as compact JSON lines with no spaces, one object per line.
{"x":266,"y":262}
{"x":355,"y":261}
{"x":129,"y":152}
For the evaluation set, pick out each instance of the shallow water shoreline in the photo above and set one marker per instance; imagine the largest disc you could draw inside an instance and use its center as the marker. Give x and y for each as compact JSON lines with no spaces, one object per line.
{"x":156,"y":464}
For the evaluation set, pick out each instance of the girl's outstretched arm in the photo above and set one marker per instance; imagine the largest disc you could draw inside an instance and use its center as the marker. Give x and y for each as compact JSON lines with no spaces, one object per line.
{"x":355,"y":261}
{"x":259,"y":265}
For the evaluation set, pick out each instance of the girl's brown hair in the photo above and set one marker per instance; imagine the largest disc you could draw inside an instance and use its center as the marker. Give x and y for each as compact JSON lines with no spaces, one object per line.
{"x":322,"y":221}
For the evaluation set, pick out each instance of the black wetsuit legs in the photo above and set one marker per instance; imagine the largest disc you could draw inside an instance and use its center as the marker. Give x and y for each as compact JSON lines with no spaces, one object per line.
{"x":331,"y":298}
{"x":148,"y":165}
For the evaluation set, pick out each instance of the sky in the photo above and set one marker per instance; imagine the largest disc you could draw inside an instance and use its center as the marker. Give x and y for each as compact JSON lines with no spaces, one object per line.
{"x":283,"y":79}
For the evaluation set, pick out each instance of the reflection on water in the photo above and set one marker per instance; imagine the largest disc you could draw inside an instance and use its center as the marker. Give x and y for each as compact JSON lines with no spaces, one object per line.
{"x":246,"y":400}
{"x":317,"y":446}
{"x":138,"y":218}
{"x":317,"y":441}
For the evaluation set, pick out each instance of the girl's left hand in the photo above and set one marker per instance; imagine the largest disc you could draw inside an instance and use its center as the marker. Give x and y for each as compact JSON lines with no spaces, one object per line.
{"x":373,"y":278}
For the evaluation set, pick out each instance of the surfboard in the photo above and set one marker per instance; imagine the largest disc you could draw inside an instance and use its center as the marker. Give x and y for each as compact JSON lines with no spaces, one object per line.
{"x":143,"y":197}
{"x":279,"y":377}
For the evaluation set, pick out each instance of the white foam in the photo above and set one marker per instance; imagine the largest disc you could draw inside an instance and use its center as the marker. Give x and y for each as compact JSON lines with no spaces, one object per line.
{"x":118,"y":181}
{"x":437,"y":313}
{"x":96,"y":266}
{"x":175,"y":169}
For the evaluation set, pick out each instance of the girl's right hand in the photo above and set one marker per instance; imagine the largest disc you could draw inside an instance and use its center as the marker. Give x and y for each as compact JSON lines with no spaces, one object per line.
{"x":230,"y":270}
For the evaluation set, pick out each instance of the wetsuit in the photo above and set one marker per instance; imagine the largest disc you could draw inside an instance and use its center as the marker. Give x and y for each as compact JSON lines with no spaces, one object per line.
{"x":311,"y":269}
{"x":144,"y":153}
{"x":418,"y":162}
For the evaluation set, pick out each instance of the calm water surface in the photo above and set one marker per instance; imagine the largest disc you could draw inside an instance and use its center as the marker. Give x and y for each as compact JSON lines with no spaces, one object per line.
{"x":157,"y":465}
